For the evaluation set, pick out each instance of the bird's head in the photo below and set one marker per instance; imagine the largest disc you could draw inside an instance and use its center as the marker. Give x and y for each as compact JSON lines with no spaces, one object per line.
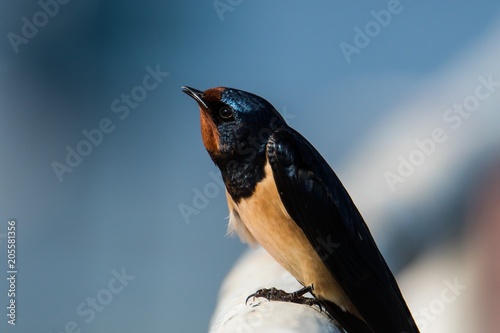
{"x":234,"y":121}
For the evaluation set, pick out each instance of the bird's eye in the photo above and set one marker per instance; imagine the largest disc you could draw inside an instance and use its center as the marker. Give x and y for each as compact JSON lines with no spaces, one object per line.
{"x":226,"y":113}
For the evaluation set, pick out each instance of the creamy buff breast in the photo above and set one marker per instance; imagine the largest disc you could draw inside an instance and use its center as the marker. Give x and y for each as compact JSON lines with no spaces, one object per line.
{"x":262,"y":219}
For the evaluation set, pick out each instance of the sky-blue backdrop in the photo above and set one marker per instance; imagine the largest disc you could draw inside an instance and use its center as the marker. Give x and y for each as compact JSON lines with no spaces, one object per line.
{"x":119,"y":207}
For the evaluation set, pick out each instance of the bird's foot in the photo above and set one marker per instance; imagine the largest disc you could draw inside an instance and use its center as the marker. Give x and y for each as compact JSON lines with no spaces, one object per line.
{"x":273,"y":294}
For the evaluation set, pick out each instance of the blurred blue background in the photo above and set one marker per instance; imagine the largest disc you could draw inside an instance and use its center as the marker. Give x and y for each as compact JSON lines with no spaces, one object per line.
{"x":120,"y":207}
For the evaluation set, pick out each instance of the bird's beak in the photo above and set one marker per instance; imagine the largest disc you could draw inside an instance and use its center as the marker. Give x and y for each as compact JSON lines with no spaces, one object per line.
{"x":196,"y":94}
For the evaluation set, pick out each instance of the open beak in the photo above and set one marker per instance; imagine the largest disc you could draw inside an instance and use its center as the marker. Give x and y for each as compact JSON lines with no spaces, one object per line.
{"x":196,"y":94}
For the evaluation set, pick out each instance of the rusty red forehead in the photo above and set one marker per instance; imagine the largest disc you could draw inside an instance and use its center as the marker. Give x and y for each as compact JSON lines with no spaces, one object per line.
{"x":213,"y":94}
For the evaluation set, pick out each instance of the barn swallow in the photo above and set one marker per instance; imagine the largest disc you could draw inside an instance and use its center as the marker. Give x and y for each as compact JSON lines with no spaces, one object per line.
{"x":283,"y":195}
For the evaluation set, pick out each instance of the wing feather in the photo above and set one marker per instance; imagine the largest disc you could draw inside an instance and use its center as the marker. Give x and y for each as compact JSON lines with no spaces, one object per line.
{"x":318,"y":202}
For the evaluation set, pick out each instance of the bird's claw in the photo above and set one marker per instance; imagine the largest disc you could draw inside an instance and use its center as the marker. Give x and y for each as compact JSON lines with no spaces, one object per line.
{"x":273,"y":294}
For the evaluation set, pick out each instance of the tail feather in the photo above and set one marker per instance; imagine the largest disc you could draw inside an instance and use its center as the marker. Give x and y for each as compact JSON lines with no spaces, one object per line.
{"x":345,"y":320}
{"x":352,"y":324}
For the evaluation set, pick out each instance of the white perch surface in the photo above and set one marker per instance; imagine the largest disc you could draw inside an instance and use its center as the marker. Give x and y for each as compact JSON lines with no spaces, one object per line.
{"x":256,"y":270}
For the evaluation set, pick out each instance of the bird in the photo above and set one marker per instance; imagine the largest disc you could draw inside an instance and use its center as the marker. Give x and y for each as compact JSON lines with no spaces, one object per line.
{"x":284,"y":196}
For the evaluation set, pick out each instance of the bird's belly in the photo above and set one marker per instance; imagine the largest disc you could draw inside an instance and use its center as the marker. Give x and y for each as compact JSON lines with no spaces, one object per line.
{"x":263,"y":219}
